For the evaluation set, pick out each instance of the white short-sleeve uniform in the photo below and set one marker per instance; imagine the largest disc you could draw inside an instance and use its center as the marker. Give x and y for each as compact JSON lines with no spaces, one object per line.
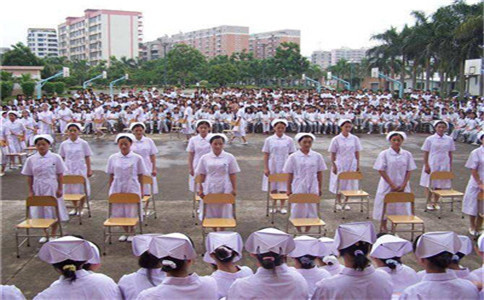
{"x":402,"y":277}
{"x":44,"y":170}
{"x":133,"y":284}
{"x":11,"y":133}
{"x":470,"y":205}
{"x":305,"y":168}
{"x":10,"y":292}
{"x":87,"y":286}
{"x":240,"y":131}
{"x":345,"y":149}
{"x":47,"y":117}
{"x":126,"y":169}
{"x":65,"y":117}
{"x":279,"y":149}
{"x":478,"y":273}
{"x":190,"y":287}
{"x":188,"y":116}
{"x":98,"y":117}
{"x":145,"y":148}
{"x":225,"y":279}
{"x":29,"y":124}
{"x":396,"y":165}
{"x":313,"y":276}
{"x":334,"y":269}
{"x":353,"y":284}
{"x":74,"y":154}
{"x":198,"y":146}
{"x":217,"y":171}
{"x":438,"y":148}
{"x":281,"y":283}
{"x":441,"y":286}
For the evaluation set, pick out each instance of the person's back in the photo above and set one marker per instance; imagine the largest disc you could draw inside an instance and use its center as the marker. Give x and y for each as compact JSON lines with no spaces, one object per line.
{"x":225,"y":279}
{"x":402,"y":277}
{"x":133,"y":284}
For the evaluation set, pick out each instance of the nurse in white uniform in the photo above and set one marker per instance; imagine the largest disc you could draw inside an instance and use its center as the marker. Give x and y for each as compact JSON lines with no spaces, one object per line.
{"x":386,"y":255}
{"x":177,"y":254}
{"x":188,"y":117}
{"x":329,"y":261}
{"x":146,"y":148}
{"x":304,"y":257}
{"x":437,"y":150}
{"x":77,"y":159}
{"x":240,"y":124}
{"x":434,"y":251}
{"x":11,"y":292}
{"x":149,"y":275}
{"x":273,"y":278}
{"x":14,"y":134}
{"x":464,"y":250}
{"x":46,"y":120}
{"x":67,"y":255}
{"x":31,"y":128}
{"x":277,"y":149}
{"x":471,"y":206}
{"x":223,"y":250}
{"x":218,"y":171}
{"x":44,"y":172}
{"x":479,"y":273}
{"x":345,"y":155}
{"x":305,"y":168}
{"x":126,"y":170}
{"x":395,"y":166}
{"x":65,"y":117}
{"x":358,"y":280}
{"x":198,"y":146}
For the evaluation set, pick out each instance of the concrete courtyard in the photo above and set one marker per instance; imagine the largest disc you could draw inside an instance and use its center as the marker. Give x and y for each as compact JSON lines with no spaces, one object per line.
{"x":174,"y":204}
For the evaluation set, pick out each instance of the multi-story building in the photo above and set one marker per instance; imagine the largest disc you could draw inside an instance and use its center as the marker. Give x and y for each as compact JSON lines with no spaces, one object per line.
{"x":264,"y":44}
{"x":351,"y":55}
{"x":157,"y":48}
{"x":321,"y":58}
{"x":43,"y":41}
{"x":101,"y":34}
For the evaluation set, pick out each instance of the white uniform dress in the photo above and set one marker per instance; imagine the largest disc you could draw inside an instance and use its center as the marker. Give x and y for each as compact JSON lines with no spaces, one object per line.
{"x":334,"y":269}
{"x":281,"y":283}
{"x":304,"y":168}
{"x":74,"y":154}
{"x":438,"y":148}
{"x":145,"y":148}
{"x":11,"y":132}
{"x":396,"y":166}
{"x":87,"y":286}
{"x":47,"y":117}
{"x":313,"y":276}
{"x":279,"y":149}
{"x":190,"y":287}
{"x":345,"y":148}
{"x":441,"y":286}
{"x":65,"y":117}
{"x":44,"y":170}
{"x":240,"y":129}
{"x":199,"y":146}
{"x":401,"y":278}
{"x":225,"y":279}
{"x":470,"y":205}
{"x":353,"y":284}
{"x":29,"y":122}
{"x":188,"y":116}
{"x":133,"y":284}
{"x":217,"y":180}
{"x":10,"y":292}
{"x":126,"y":169}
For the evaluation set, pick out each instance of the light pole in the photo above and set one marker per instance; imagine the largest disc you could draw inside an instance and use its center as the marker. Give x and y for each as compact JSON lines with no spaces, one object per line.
{"x":164,"y":44}
{"x":112,"y":83}
{"x":263,"y":62}
{"x":64,"y":73}
{"x":103,"y":75}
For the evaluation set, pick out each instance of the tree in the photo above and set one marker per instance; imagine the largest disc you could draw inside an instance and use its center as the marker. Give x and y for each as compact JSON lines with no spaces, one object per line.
{"x":185,"y":64}
{"x":20,"y":55}
{"x":288,"y":61}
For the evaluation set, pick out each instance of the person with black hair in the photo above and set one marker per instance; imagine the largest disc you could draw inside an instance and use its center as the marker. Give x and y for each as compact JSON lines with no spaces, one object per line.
{"x":176,"y":255}
{"x":358,"y":280}
{"x":197,"y":146}
{"x":479,"y":273}
{"x":273,"y":279}
{"x":149,"y":275}
{"x":465,"y":249}
{"x":223,"y":250}
{"x":304,"y":256}
{"x":386,"y":254}
{"x":329,"y":259}
{"x":434,"y":251}
{"x":67,"y":255}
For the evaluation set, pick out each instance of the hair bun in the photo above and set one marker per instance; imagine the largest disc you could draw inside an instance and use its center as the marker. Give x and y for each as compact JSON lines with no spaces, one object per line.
{"x":168,"y":264}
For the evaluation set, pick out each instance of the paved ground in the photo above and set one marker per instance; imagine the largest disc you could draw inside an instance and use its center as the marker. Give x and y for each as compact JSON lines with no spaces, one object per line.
{"x":174,"y":208}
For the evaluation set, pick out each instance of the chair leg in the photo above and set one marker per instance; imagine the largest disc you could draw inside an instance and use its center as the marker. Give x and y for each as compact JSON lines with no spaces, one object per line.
{"x":28,"y":237}
{"x":267,"y":207}
{"x":273,"y":211}
{"x":16,"y":243}
{"x":79,"y":210}
{"x":154,"y":206}
{"x":413,"y":230}
{"x":104,"y":240}
{"x":452,"y":205}
{"x":110,"y":235}
{"x":361,"y":204}
{"x":368,"y":208}
{"x":88,"y":205}
{"x":429,"y":195}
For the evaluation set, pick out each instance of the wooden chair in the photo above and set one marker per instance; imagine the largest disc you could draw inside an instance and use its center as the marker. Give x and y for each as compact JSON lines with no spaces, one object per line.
{"x":230,"y":132}
{"x":79,"y":201}
{"x":177,"y":127}
{"x":397,"y":197}
{"x":347,"y":195}
{"x":44,"y":223}
{"x":275,"y":178}
{"x":442,"y":194}
{"x":196,"y":199}
{"x":12,"y":156}
{"x":121,"y":198}
{"x":218,"y":222}
{"x":30,"y":150}
{"x":304,"y":222}
{"x":148,"y":180}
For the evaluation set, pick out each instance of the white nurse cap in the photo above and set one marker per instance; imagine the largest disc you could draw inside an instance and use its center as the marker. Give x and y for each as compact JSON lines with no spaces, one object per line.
{"x":78,"y":125}
{"x":270,"y":240}
{"x":229,"y":239}
{"x":125,"y":135}
{"x":13,"y":112}
{"x":327,"y":246}
{"x":176,"y":245}
{"x":432,"y":243}
{"x":352,"y":233}
{"x":47,"y":137}
{"x":465,"y":245}
{"x":306,"y":245}
{"x":203,"y":121}
{"x":342,"y":121}
{"x":400,"y":133}
{"x":223,"y":136}
{"x":480,"y":135}
{"x":389,"y":246}
{"x":300,"y":135}
{"x":131,"y":127}
{"x":64,"y":248}
{"x":275,"y":121}
{"x":437,"y":122}
{"x":480,"y":243}
{"x":141,"y":243}
{"x":96,"y":257}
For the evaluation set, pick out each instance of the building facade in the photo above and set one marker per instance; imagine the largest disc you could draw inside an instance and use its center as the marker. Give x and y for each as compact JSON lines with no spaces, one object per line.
{"x":321,"y":58}
{"x":100,"y":34}
{"x":264,"y":44}
{"x":43,"y":42}
{"x":351,"y":55}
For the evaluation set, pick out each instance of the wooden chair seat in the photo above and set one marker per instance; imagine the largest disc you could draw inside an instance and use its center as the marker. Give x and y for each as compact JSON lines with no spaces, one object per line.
{"x":17,"y":154}
{"x":121,"y":222}
{"x":448,"y":193}
{"x":74,"y":197}
{"x":358,"y":193}
{"x":279,"y":196}
{"x":37,"y":223}
{"x":307,"y":222}
{"x":146,"y":198}
{"x":218,"y":222}
{"x":405,"y":219}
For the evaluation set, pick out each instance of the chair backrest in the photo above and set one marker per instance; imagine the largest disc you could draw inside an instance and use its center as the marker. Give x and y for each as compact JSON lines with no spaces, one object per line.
{"x":125,"y":198}
{"x":41,"y":201}
{"x":147,"y":179}
{"x":441,"y":175}
{"x":304,"y":198}
{"x":74,"y":179}
{"x":280,"y":177}
{"x":399,"y":197}
{"x":350,"y":176}
{"x":219,"y":199}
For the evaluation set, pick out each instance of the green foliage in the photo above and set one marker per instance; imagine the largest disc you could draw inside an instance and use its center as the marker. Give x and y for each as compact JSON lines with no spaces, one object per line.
{"x":6,"y":88}
{"x":20,"y":55}
{"x":49,"y":88}
{"x":6,"y":76}
{"x":59,"y":87}
{"x":28,"y":87}
{"x":185,"y":64}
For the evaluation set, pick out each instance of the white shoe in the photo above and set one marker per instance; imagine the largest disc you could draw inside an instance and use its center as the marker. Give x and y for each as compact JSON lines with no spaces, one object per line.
{"x":437,"y":207}
{"x":272,"y":210}
{"x":283,"y":211}
{"x":245,"y":143}
{"x":430,"y":207}
{"x":73,"y":212}
{"x":2,"y":174}
{"x":52,"y":239}
{"x":123,"y":238}
{"x":347,"y":207}
{"x":369,"y":133}
{"x":43,"y":240}
{"x":339,"y":207}
{"x":472,"y":232}
{"x":130,"y":238}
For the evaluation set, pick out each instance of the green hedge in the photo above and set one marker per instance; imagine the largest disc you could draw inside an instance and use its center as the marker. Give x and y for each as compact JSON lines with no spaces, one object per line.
{"x":6,"y":88}
{"x":59,"y":87}
{"x":28,"y":87}
{"x":49,"y":88}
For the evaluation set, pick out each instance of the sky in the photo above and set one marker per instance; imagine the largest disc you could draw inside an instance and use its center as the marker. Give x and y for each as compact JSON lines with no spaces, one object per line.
{"x":324,"y":24}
